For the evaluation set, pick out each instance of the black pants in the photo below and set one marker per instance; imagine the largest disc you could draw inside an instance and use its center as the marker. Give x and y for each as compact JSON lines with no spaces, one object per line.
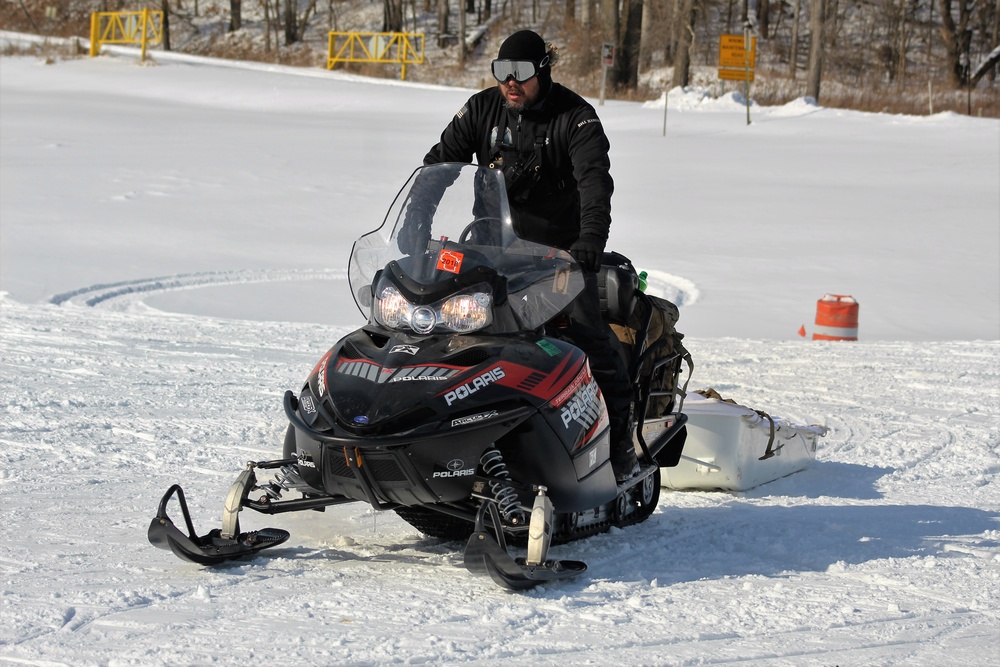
{"x":588,"y":331}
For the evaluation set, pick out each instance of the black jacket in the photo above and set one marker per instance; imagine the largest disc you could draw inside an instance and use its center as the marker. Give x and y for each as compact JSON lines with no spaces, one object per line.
{"x":555,"y":162}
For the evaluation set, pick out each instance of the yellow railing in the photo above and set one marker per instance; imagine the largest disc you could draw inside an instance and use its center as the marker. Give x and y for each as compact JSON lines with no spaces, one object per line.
{"x":137,"y":28}
{"x":404,"y":48}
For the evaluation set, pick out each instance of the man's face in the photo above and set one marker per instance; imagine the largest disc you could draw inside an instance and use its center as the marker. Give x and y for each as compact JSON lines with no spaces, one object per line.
{"x":520,"y":95}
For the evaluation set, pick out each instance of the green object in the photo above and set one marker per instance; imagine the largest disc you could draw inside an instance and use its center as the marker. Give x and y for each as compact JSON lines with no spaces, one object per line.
{"x":549,"y":347}
{"x":642,"y":281}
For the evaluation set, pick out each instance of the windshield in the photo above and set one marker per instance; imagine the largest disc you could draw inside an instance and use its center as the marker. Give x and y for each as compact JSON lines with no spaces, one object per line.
{"x":452,"y":219}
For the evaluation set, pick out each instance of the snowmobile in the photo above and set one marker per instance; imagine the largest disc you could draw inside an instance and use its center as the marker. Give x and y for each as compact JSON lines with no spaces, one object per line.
{"x":458,"y":406}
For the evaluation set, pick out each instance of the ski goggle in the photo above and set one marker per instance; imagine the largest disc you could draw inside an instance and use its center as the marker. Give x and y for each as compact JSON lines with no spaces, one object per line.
{"x":519,"y":70}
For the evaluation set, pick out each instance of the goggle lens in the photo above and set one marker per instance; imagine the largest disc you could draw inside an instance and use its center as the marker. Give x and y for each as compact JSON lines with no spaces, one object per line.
{"x":519,"y":70}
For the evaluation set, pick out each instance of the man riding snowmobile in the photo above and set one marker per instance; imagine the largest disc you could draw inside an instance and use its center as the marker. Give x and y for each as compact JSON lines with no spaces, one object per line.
{"x":553,"y":152}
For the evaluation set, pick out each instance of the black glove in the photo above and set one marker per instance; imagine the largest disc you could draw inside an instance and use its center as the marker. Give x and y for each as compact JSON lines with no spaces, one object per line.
{"x":588,"y":254}
{"x":415,"y":231}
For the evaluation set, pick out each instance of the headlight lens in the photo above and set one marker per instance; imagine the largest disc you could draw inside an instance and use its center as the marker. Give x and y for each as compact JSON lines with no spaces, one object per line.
{"x":391,"y":309}
{"x":465,"y":312}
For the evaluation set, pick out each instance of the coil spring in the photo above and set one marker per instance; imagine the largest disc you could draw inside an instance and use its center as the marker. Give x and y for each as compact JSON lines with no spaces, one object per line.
{"x":506,"y":497}
{"x":285,"y":480}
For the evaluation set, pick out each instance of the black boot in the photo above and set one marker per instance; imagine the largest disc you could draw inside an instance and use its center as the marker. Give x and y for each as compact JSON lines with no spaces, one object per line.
{"x":623,"y":459}
{"x":624,"y":462}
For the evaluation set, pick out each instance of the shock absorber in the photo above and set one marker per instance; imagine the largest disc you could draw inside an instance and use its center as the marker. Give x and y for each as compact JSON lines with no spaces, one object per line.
{"x":286,"y":479}
{"x":508,"y":505}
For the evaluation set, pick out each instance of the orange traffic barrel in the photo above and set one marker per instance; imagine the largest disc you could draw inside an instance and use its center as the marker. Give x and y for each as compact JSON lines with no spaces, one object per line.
{"x":836,"y":318}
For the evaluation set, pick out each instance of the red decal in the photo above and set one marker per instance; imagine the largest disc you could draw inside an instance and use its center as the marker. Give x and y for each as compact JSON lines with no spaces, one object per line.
{"x":450,"y":261}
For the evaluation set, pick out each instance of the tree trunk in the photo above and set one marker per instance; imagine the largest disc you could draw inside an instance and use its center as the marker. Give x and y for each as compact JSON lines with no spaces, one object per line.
{"x":462,"y":10}
{"x":763,"y":17}
{"x":392,"y":16}
{"x":794,"y":56}
{"x":626,"y":73}
{"x":235,"y":15}
{"x":442,"y":14}
{"x":816,"y":24}
{"x":291,"y":23}
{"x":957,"y":40}
{"x":165,"y":6}
{"x":687,"y":11}
{"x":267,"y":26}
{"x":649,"y":18}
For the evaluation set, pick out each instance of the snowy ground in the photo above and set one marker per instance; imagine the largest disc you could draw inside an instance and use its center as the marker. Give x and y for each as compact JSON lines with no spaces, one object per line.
{"x":173,"y":244}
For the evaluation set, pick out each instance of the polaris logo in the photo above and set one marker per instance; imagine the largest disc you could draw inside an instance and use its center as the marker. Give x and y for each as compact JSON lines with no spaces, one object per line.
{"x":455,"y":473}
{"x":582,"y":408}
{"x":469,"y":388}
{"x":455,"y":468}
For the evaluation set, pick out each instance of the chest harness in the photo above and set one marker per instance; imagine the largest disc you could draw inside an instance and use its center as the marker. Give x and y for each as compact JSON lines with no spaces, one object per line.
{"x":522,"y":169}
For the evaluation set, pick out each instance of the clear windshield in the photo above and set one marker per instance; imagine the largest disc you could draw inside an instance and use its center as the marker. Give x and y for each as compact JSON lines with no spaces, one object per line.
{"x":450,"y":219}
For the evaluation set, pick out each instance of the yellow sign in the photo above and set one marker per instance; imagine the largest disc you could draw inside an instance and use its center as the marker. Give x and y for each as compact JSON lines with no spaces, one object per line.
{"x":733,"y":53}
{"x":735,"y":74}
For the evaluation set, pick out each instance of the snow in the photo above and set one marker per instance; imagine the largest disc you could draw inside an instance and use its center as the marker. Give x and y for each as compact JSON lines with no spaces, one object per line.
{"x":174,"y":239}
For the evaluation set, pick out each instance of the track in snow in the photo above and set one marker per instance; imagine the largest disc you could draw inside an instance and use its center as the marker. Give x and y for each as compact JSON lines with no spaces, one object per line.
{"x":131,"y":291}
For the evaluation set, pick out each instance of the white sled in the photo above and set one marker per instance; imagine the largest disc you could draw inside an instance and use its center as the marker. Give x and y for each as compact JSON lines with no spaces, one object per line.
{"x":733,"y":447}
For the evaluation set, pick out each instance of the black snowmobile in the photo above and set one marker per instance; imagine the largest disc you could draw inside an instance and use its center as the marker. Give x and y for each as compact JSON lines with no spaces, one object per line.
{"x":457,"y":405}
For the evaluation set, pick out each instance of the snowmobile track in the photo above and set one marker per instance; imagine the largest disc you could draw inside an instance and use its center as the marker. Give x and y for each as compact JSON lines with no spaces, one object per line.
{"x":132,"y":291}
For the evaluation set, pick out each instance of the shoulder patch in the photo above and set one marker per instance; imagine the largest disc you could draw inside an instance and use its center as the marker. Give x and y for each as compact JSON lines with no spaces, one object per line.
{"x":461,"y":112}
{"x":588,"y":121}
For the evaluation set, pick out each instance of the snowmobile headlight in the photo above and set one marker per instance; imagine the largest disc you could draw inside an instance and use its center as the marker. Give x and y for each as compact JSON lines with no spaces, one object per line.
{"x":462,"y":313}
{"x":467,"y":312}
{"x":391,"y":309}
{"x":422,"y":320}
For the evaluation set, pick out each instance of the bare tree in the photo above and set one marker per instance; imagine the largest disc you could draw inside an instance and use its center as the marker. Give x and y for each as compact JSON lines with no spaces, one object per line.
{"x":235,"y":15}
{"x":626,"y":73}
{"x":442,"y":14}
{"x":392,"y":16}
{"x":686,"y":12}
{"x":165,"y":6}
{"x":957,"y":40}
{"x":817,"y":22}
{"x":793,"y":57}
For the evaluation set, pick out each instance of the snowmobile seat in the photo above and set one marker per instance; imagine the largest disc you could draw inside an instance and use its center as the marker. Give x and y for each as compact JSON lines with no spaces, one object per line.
{"x":617,"y":283}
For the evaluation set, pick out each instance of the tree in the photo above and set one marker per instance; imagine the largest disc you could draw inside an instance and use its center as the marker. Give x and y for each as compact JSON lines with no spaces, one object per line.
{"x":957,"y":40}
{"x":442,"y":14}
{"x":687,"y":10}
{"x":392,"y":16}
{"x":235,"y":15}
{"x":626,"y":73}
{"x":165,"y":29}
{"x":817,"y":23}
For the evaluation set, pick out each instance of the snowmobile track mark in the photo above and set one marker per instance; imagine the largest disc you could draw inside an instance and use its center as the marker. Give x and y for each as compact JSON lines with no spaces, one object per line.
{"x":132,"y":291}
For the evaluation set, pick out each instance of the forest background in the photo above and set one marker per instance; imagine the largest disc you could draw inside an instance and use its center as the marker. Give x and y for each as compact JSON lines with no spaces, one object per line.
{"x":892,"y":56}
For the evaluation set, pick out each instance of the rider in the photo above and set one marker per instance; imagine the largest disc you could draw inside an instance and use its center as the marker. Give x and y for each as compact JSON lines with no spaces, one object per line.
{"x":553,"y":152}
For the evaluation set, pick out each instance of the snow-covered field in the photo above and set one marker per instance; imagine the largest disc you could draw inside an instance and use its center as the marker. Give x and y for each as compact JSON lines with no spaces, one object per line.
{"x":172,"y":246}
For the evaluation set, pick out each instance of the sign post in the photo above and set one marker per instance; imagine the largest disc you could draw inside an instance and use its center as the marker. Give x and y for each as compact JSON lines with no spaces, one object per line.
{"x":737,"y":57}
{"x":607,"y":60}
